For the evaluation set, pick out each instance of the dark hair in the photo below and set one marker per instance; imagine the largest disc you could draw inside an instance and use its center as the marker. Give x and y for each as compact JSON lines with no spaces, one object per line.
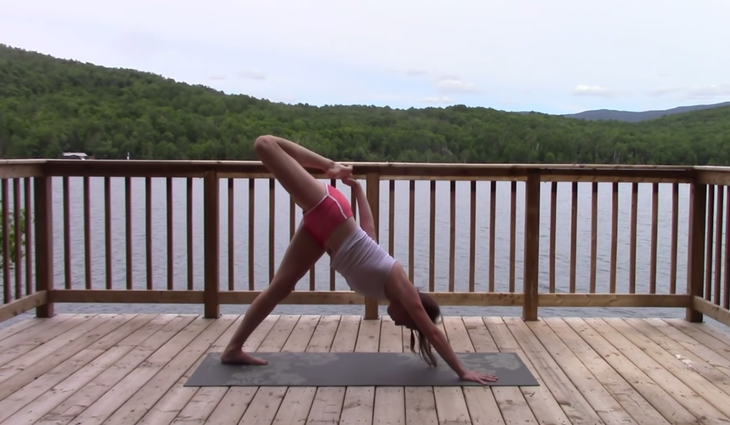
{"x":434,"y":313}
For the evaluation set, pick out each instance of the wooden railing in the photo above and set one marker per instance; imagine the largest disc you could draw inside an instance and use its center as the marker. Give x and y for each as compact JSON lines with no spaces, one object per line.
{"x":530,"y":249}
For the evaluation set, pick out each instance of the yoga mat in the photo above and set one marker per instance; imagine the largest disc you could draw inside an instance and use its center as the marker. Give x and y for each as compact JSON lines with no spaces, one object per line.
{"x":357,"y":369}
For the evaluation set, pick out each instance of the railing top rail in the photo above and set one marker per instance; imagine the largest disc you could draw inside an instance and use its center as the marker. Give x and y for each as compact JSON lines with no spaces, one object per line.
{"x":388,"y":170}
{"x":8,"y":162}
{"x":713,"y":168}
{"x":375,"y":165}
{"x":19,"y":168}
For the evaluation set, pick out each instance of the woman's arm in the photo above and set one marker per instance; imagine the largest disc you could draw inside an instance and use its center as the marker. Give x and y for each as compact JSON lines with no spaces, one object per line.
{"x":412,"y":303}
{"x":366,"y":215}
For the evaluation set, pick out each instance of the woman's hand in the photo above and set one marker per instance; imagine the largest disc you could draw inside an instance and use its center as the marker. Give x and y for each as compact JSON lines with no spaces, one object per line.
{"x":339,"y":171}
{"x":350,"y":182}
{"x":482,"y":378}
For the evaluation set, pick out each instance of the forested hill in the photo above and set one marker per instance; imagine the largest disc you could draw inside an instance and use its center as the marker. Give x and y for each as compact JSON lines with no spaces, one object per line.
{"x":49,"y":105}
{"x":634,"y":116}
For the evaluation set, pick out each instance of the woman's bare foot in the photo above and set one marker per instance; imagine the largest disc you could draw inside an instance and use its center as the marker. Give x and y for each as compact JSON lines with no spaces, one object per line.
{"x":240,"y":357}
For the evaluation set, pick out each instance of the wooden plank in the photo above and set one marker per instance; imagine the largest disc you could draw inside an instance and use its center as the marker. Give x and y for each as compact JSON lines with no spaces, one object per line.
{"x":178,"y":397}
{"x":473,"y":404}
{"x":702,"y":360}
{"x":515,"y":405}
{"x":20,"y":343}
{"x":232,"y":406}
{"x":420,"y":403}
{"x":531,"y":244}
{"x":20,"y":306}
{"x":298,"y":401}
{"x":14,"y":170}
{"x":393,"y":170}
{"x":491,"y":334}
{"x":37,"y":362}
{"x":550,"y":372}
{"x":696,"y":247}
{"x":681,"y":394}
{"x":630,"y":399}
{"x":307,"y":297}
{"x":550,"y":402}
{"x":126,"y":296}
{"x":614,"y":300}
{"x":227,"y":410}
{"x":80,"y":391}
{"x":186,"y":403}
{"x":130,"y":370}
{"x":126,"y":396}
{"x":324,"y":334}
{"x":450,"y":403}
{"x":22,"y":325}
{"x":657,"y":396}
{"x":707,"y":354}
{"x":360,"y":401}
{"x":721,"y":178}
{"x":711,"y":392}
{"x":441,"y":399}
{"x":712,"y":310}
{"x":43,"y":228}
{"x":610,"y":410}
{"x":211,"y":244}
{"x":181,"y":402}
{"x":31,"y":391}
{"x":479,"y":299}
{"x":390,"y":405}
{"x":328,"y":401}
{"x":60,"y":383}
{"x":266,"y":402}
{"x":704,"y":333}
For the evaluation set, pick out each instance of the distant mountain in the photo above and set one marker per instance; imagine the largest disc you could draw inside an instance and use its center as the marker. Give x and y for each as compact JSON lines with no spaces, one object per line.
{"x":628,"y":116}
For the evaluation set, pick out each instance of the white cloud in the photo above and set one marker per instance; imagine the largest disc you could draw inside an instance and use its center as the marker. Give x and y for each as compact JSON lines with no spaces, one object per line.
{"x":588,"y":90}
{"x":454,"y":85}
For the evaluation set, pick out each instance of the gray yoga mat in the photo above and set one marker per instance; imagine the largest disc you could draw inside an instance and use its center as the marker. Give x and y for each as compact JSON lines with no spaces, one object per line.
{"x":357,"y":369}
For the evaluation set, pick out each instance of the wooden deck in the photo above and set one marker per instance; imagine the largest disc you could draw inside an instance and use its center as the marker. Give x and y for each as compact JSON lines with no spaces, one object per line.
{"x":129,"y":369}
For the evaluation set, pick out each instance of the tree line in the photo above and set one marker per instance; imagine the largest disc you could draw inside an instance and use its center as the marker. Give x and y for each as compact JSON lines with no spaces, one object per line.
{"x":49,"y":105}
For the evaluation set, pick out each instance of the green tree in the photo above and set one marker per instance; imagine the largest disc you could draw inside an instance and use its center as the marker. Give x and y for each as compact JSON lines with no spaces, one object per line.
{"x":49,"y":105}
{"x":14,"y":255}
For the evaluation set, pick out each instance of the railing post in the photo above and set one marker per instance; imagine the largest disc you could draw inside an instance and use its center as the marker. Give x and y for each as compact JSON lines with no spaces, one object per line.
{"x":373,"y":194}
{"x":43,"y":216}
{"x":531,"y":261}
{"x":696,"y":247}
{"x":211,"y":228}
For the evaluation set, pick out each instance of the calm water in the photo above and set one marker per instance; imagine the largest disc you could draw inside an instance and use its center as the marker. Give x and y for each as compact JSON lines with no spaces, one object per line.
{"x":401,"y":227}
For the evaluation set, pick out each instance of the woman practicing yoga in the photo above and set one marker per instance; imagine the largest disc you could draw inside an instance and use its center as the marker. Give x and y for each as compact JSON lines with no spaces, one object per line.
{"x":328,"y":226}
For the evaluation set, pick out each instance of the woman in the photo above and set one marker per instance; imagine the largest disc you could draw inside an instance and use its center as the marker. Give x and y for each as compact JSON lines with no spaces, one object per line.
{"x":328,"y":226}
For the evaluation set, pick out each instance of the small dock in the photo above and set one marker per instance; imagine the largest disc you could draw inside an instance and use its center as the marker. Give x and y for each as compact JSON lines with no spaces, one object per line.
{"x":130,"y":369}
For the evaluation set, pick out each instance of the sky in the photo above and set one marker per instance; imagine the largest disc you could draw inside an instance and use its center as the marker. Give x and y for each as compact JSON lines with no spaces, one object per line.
{"x":551,"y":56}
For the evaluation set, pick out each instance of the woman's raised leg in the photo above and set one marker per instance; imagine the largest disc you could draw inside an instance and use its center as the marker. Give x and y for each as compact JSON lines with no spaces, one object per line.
{"x":286,"y":161}
{"x":301,"y":254}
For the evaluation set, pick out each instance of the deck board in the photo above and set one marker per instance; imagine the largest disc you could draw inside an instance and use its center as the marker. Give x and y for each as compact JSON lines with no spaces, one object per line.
{"x":129,"y":370}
